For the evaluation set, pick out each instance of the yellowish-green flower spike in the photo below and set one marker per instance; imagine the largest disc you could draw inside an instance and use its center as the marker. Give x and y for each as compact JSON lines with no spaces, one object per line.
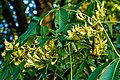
{"x":90,"y":32}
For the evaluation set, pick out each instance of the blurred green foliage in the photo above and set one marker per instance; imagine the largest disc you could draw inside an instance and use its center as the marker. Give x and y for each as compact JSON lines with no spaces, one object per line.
{"x":82,"y":42}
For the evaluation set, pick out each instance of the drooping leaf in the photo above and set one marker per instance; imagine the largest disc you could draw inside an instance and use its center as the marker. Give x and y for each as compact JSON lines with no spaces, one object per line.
{"x":61,"y":20}
{"x":111,"y":71}
{"x":81,"y":67}
{"x":30,"y":31}
{"x":94,"y":75}
{"x":79,"y":4}
{"x":44,"y":30}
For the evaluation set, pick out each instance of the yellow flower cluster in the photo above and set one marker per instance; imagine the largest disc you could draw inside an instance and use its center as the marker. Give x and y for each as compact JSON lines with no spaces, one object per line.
{"x":33,"y":55}
{"x":79,"y":33}
{"x":94,"y":35}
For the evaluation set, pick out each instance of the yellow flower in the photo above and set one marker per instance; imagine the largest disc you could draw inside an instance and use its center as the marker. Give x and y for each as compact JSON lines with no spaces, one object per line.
{"x":82,"y":31}
{"x":8,"y":45}
{"x":3,"y":54}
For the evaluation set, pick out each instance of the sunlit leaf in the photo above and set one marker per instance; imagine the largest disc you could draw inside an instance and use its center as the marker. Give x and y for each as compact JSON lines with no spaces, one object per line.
{"x":94,"y":75}
{"x":111,"y":72}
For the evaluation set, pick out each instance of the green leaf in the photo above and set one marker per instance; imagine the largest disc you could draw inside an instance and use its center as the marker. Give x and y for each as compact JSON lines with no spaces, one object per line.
{"x":97,"y":71}
{"x":73,"y":47}
{"x":57,"y":70}
{"x":44,"y":30}
{"x":12,"y":68}
{"x":8,"y":55}
{"x":43,"y":40}
{"x":91,"y":9}
{"x":18,"y":70}
{"x":5,"y":72}
{"x":91,"y":61}
{"x":118,"y":41}
{"x":30,"y":40}
{"x":81,"y":67}
{"x":61,"y":20}
{"x":82,"y":45}
{"x":109,"y":27}
{"x":87,"y":67}
{"x":30,"y":31}
{"x":111,"y":71}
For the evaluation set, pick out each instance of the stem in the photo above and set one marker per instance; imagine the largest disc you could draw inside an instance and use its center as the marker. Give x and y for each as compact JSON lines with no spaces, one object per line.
{"x":110,"y":21}
{"x":70,"y":60}
{"x":110,"y":41}
{"x":71,"y":65}
{"x":46,"y":14}
{"x":55,"y":75}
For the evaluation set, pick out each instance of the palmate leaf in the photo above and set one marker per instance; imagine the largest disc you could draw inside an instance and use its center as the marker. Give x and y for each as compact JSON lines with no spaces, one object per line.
{"x":61,"y":20}
{"x":94,"y":75}
{"x":111,"y":72}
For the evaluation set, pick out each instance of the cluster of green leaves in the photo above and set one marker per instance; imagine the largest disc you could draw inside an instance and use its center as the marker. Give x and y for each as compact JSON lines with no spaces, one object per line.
{"x":73,"y":60}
